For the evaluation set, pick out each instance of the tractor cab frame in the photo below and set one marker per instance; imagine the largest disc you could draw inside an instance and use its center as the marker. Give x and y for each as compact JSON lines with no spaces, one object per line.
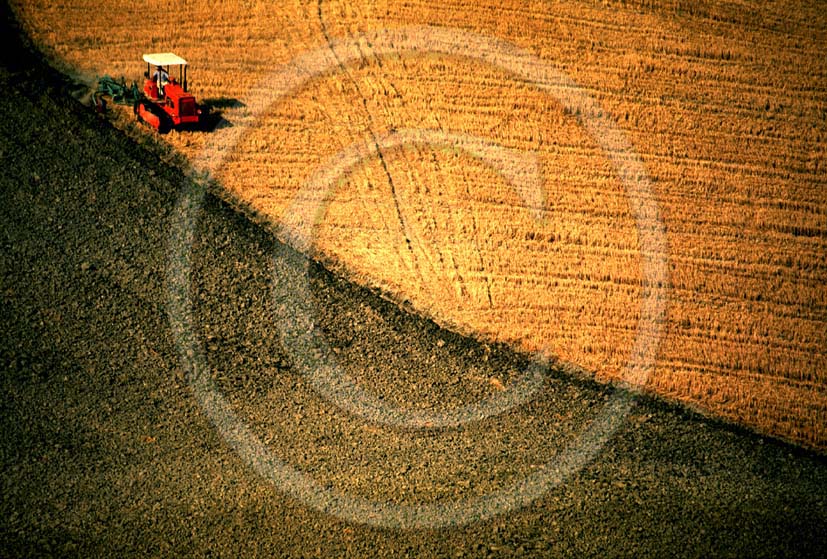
{"x":167,"y":102}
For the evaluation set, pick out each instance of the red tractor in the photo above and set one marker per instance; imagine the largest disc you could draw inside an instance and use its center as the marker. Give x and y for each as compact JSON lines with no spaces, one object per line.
{"x":165,"y":103}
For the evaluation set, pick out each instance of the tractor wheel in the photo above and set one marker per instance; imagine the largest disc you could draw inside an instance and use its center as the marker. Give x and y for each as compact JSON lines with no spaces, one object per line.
{"x":165,"y":124}
{"x":205,"y":118}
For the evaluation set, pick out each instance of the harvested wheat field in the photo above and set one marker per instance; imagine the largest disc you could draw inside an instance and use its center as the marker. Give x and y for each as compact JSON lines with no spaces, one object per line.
{"x":455,"y":156}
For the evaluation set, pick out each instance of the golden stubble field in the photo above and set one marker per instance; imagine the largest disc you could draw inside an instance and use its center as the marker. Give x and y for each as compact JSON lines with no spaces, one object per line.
{"x":505,"y":218}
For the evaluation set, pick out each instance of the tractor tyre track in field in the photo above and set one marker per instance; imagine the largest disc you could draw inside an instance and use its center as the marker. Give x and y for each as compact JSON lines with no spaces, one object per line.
{"x":483,"y":271}
{"x":404,"y":229}
{"x":105,"y":452}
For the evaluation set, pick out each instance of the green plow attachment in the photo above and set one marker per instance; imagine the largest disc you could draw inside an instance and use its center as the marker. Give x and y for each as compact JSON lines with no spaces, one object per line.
{"x":118,"y":90}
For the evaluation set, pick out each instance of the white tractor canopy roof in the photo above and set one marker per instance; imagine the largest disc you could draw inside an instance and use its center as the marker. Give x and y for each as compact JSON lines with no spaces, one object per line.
{"x":164,"y":59}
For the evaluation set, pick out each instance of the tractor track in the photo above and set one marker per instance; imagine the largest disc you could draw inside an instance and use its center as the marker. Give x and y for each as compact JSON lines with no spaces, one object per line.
{"x":404,"y":229}
{"x":105,"y":451}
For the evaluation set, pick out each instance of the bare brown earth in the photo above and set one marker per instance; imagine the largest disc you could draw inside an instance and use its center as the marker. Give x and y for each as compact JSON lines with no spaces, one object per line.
{"x":108,"y":448}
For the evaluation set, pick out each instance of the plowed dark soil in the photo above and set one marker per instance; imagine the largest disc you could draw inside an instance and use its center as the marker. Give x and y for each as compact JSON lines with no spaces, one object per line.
{"x":112,"y":446}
